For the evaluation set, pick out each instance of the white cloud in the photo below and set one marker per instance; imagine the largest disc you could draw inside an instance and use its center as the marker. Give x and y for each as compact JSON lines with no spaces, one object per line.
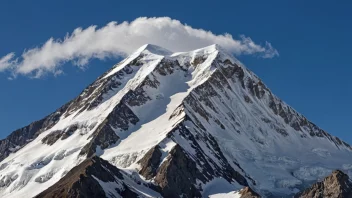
{"x":116,"y":39}
{"x":7,"y":61}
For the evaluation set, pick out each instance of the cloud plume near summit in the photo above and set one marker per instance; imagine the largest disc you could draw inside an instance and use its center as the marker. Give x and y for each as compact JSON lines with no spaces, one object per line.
{"x":120,"y":39}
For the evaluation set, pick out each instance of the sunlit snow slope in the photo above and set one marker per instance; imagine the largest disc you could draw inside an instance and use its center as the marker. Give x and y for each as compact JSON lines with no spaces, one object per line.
{"x":193,"y":123}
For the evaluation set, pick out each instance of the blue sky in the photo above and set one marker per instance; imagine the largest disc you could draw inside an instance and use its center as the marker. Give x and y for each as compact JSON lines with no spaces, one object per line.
{"x":313,"y":38}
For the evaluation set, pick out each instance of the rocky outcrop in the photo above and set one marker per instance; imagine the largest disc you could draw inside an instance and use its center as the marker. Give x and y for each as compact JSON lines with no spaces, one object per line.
{"x":336,"y":185}
{"x":150,"y":162}
{"x":247,"y":192}
{"x":104,"y":136}
{"x":121,"y":117}
{"x":53,"y":136}
{"x":177,"y":175}
{"x":82,"y":181}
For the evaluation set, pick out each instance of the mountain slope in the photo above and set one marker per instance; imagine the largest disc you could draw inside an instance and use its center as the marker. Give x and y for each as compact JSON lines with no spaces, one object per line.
{"x":95,"y":177}
{"x":188,"y":122}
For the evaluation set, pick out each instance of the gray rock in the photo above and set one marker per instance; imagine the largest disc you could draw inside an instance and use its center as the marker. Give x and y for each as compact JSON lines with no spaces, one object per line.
{"x":336,"y":185}
{"x":81,"y":182}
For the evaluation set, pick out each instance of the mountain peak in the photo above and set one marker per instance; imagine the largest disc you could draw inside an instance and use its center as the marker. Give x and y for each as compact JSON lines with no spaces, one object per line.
{"x":158,"y":50}
{"x":155,"y":49}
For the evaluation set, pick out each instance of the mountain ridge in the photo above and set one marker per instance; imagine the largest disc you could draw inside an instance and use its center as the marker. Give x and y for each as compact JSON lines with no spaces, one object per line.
{"x":201,"y":107}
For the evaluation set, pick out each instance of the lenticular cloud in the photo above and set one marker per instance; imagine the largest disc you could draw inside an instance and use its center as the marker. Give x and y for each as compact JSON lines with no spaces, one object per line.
{"x":119,"y":39}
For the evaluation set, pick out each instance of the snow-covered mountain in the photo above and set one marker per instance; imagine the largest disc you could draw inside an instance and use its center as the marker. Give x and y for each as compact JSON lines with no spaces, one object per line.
{"x":191,"y":124}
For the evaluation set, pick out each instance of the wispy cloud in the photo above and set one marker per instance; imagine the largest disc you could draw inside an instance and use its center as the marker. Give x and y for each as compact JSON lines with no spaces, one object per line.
{"x":7,"y":61}
{"x":120,"y":39}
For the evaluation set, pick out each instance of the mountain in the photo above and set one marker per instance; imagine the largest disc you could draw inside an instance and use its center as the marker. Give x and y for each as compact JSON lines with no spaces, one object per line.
{"x":336,"y":185}
{"x":159,"y":123}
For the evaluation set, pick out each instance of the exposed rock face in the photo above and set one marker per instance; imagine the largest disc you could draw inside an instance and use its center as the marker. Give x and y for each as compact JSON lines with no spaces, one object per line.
{"x":336,"y":185}
{"x":210,"y":169}
{"x":247,"y":192}
{"x":52,"y":137}
{"x":104,"y":136}
{"x":177,"y":175}
{"x":150,"y":162}
{"x":82,"y":181}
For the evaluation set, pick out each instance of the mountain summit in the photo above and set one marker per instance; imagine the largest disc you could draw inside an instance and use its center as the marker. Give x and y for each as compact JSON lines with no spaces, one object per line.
{"x":159,"y":123}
